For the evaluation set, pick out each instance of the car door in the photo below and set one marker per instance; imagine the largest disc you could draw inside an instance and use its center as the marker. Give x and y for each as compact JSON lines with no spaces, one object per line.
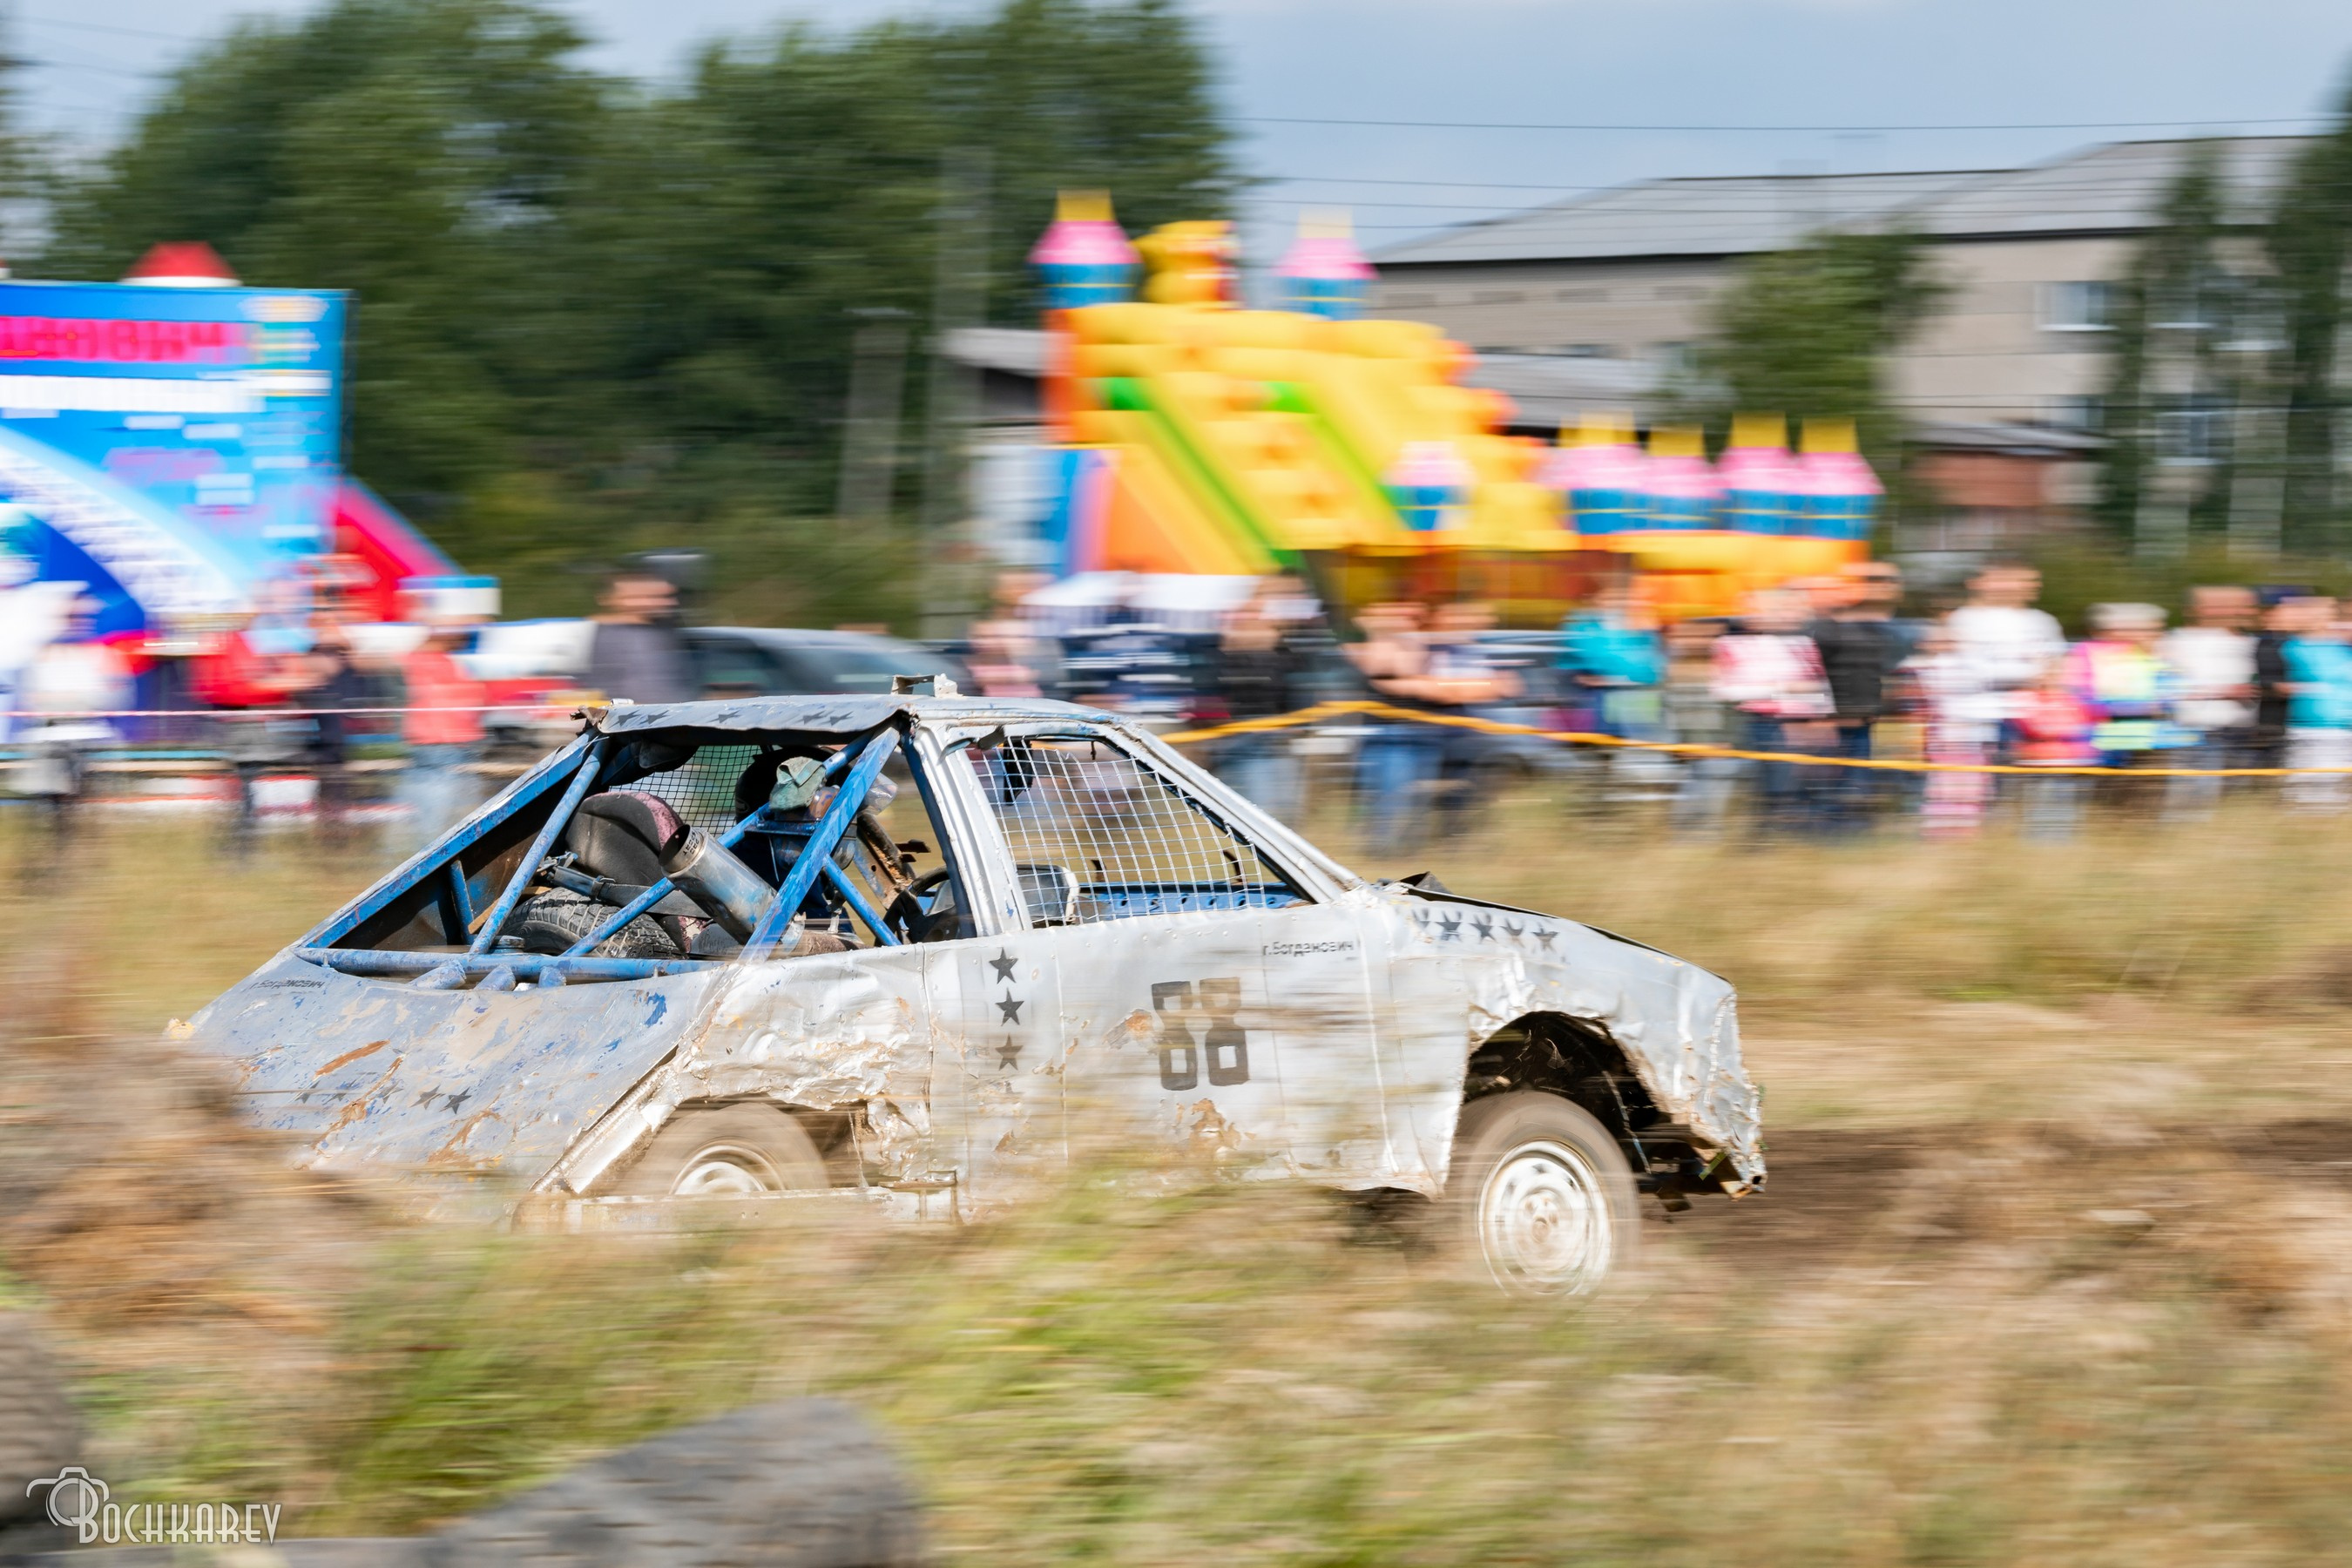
{"x":1128,"y":998}
{"x":1320,"y":1031}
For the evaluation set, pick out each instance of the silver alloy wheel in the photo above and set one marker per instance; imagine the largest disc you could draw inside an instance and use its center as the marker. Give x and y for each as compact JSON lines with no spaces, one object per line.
{"x":1544,"y":1221}
{"x":726,"y":1171}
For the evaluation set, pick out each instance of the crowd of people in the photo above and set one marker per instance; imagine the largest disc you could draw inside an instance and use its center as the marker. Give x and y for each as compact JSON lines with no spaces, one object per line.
{"x":1832,"y":669}
{"x":290,"y":690}
{"x":1810,"y":675}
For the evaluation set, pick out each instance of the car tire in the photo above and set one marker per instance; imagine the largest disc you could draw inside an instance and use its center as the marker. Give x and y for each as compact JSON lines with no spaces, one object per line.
{"x":744,"y":1150}
{"x":806,"y":1483}
{"x":552,"y":923}
{"x":1540,"y":1199}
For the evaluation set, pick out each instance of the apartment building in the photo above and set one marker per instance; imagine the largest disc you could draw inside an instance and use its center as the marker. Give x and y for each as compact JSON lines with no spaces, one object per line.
{"x":2028,"y":256}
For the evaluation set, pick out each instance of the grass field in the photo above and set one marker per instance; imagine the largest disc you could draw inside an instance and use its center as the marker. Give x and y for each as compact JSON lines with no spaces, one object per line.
{"x":2055,"y":1267}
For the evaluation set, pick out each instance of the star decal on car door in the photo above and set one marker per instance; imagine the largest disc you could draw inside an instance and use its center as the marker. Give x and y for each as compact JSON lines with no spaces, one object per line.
{"x":1010,"y":1009}
{"x":1003,"y":963}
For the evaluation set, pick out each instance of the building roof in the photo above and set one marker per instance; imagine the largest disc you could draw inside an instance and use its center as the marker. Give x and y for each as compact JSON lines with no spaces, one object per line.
{"x":1012,"y":351}
{"x":1552,"y":390}
{"x":2119,"y":187}
{"x":1681,"y":217}
{"x":2115,"y":187}
{"x":1548,"y":389}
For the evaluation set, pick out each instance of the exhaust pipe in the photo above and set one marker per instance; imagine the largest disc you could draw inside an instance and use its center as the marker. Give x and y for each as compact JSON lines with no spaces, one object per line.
{"x":709,"y":872}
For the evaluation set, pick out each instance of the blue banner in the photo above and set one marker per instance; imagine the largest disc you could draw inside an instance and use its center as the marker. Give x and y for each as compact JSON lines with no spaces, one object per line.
{"x":180,"y":446}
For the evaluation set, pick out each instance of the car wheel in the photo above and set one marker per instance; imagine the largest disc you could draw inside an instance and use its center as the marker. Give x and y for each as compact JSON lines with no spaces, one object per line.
{"x":727,"y":1151}
{"x":1541,"y":1196}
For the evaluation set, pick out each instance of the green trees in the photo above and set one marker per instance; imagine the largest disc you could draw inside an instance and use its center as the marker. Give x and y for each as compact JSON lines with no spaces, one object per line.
{"x":2310,"y":235}
{"x":1807,"y":333}
{"x":2162,"y":358}
{"x":2224,"y":409}
{"x":592,"y":316}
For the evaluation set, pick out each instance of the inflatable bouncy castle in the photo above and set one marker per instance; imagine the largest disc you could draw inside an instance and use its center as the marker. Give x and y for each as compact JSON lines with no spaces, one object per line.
{"x":1701,"y":536}
{"x":1195,"y":435}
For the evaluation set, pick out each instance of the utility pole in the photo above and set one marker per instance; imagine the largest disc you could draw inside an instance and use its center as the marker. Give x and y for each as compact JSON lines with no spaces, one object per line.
{"x":870,"y":441}
{"x":959,"y":299}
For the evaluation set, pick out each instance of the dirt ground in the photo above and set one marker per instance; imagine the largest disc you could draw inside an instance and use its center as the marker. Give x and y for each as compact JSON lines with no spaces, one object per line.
{"x":2055,"y":1266}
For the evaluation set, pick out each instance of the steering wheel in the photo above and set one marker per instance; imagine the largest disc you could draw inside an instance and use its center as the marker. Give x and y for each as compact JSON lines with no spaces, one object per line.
{"x":909,"y":914}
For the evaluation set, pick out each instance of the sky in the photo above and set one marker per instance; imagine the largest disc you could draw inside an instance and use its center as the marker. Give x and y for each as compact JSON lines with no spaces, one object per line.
{"x":1655,"y":87}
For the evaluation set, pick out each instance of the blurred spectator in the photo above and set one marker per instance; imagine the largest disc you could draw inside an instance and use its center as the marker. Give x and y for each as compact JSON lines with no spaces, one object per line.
{"x":2054,"y":730}
{"x":998,"y":666}
{"x":1288,"y":601}
{"x":2214,"y":659}
{"x":637,"y":654}
{"x":2319,"y":705}
{"x":1256,"y":676}
{"x":2268,"y":742}
{"x":1696,"y":716}
{"x":1399,"y":759}
{"x":71,"y":681}
{"x":1613,"y":654}
{"x":1963,"y":719}
{"x":2004,"y":641}
{"x":245,"y":678}
{"x":1771,"y":671}
{"x":331,"y":683}
{"x":443,"y":728}
{"x":1023,"y":641}
{"x":2128,"y":689}
{"x":1860,"y":648}
{"x":1461,"y":677}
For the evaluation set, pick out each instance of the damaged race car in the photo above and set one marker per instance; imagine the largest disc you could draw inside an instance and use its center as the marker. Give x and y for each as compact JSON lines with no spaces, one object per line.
{"x":915,"y":947}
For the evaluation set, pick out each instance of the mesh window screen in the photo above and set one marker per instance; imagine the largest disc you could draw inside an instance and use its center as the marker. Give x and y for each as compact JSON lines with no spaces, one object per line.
{"x":702,"y":792}
{"x":1100,"y":836}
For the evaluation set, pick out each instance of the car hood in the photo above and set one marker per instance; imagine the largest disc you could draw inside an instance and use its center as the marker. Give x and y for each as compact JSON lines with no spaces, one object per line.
{"x":374,"y":1073}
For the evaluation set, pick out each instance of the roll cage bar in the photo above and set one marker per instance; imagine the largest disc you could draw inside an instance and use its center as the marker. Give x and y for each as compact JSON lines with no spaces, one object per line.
{"x":452,"y":878}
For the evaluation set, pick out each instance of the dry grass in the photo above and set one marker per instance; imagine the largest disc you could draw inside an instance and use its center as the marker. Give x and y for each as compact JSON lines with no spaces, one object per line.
{"x":2057,"y":1267}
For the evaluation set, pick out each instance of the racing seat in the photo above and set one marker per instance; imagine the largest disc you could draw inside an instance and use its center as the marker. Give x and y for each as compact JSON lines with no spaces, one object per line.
{"x":621,"y":843}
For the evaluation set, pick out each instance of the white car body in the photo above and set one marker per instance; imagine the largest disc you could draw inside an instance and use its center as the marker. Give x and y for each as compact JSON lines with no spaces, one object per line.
{"x":1308,"y":1023}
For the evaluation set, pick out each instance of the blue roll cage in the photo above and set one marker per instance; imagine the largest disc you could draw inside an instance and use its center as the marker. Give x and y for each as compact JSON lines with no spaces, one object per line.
{"x":576,"y":770}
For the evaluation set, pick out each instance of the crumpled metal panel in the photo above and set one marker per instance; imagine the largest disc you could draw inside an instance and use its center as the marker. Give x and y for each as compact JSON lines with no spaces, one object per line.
{"x":825,"y":1031}
{"x":1676,"y":1022}
{"x":371,"y":1073}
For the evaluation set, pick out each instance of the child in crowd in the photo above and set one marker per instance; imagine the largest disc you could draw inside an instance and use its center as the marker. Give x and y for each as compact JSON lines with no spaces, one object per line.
{"x":2054,"y":730}
{"x":2118,"y":674}
{"x":1771,"y":671}
{"x":1964,"y":711}
{"x":1696,"y":716}
{"x":2319,"y":705}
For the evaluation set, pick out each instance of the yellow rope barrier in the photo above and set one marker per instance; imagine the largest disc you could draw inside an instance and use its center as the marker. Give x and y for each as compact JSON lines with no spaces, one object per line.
{"x":1323,"y":710}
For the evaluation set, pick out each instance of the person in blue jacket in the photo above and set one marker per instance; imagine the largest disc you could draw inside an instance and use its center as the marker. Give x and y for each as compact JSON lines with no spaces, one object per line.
{"x":1612,"y":652}
{"x":2318,"y":662}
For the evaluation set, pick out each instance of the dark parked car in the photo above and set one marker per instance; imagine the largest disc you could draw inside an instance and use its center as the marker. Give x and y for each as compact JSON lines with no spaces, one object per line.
{"x":769,"y":661}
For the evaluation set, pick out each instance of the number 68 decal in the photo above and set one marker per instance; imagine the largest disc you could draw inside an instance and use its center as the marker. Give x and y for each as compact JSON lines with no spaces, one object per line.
{"x":1224,"y":1041}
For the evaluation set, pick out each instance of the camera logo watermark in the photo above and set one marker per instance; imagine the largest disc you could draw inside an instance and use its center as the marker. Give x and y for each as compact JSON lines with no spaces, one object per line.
{"x":82,"y":1504}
